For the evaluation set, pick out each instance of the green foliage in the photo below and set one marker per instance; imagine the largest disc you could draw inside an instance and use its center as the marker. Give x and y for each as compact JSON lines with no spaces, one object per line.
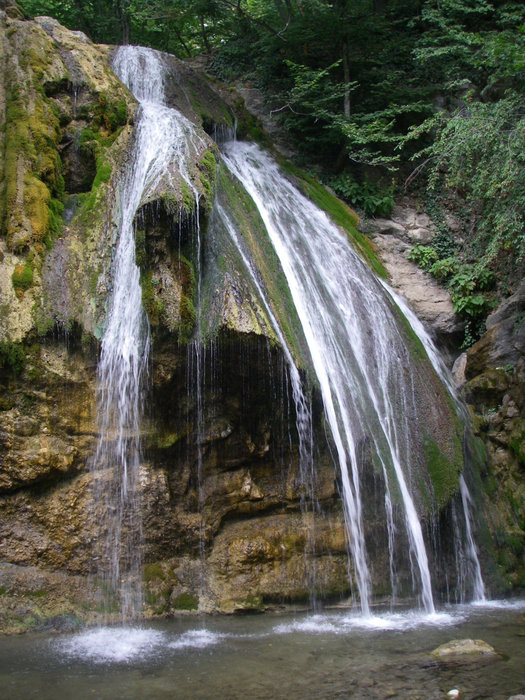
{"x":468,"y":285}
{"x":12,"y":357}
{"x":445,"y":81}
{"x":368,"y":196}
{"x":442,"y":269}
{"x":479,"y":152}
{"x":424,"y":255}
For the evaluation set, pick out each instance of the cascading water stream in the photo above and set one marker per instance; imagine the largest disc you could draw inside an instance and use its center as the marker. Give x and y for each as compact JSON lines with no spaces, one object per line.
{"x":368,"y":397}
{"x":164,"y":143}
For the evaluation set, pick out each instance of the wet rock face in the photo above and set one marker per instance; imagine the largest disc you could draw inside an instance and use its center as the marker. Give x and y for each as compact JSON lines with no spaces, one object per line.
{"x":228,"y":503}
{"x":494,"y":386}
{"x":234,"y":484}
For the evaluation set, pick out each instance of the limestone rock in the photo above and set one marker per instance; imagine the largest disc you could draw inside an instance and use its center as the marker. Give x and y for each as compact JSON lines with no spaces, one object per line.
{"x":393,"y":239}
{"x":495,"y":389}
{"x":504,"y":342}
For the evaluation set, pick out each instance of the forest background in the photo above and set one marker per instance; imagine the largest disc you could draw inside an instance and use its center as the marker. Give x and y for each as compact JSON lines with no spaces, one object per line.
{"x":379,"y":98}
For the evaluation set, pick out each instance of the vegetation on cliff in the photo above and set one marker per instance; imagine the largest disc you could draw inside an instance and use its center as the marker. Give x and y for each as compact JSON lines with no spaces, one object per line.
{"x":442,"y":88}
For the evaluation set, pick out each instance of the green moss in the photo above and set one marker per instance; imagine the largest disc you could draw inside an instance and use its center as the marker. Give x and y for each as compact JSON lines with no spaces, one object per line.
{"x":90,"y":208}
{"x":246,"y":218}
{"x":443,"y":473}
{"x":517,"y":443}
{"x":56,"y":222}
{"x":40,"y":593}
{"x":103,"y":172}
{"x":152,"y":306}
{"x":185,"y":601}
{"x":22,"y":278}
{"x":153,"y":572}
{"x":249,"y":126}
{"x":31,"y":149}
{"x":255,"y":603}
{"x":208,"y":162}
{"x":188,"y":198}
{"x":412,"y":339}
{"x":110,"y":114}
{"x":211,"y":113}
{"x":165,"y":441}
{"x":140,"y":249}
{"x":208,"y":166}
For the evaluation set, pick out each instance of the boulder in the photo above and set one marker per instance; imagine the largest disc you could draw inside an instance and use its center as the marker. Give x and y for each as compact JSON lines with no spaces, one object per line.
{"x":463,"y":647}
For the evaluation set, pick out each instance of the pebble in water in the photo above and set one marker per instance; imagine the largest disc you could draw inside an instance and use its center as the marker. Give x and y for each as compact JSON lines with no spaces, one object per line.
{"x":453,"y":694}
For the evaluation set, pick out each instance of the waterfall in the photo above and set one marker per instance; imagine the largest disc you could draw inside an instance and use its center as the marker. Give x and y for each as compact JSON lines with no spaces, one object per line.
{"x":164,"y":144}
{"x":350,"y":319}
{"x":358,"y":352}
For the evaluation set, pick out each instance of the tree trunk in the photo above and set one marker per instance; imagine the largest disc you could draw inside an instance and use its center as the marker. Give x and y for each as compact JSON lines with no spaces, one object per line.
{"x":204,"y":36}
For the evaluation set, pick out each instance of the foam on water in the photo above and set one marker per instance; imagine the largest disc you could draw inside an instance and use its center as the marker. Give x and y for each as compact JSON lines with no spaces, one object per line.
{"x":112,"y":644}
{"x":495,"y":604}
{"x":196,"y":638}
{"x":345,"y":624}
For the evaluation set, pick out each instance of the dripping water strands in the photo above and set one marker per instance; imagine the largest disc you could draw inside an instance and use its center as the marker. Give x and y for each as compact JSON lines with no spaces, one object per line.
{"x":164,"y":142}
{"x":196,"y":383}
{"x":302,"y":403}
{"x":370,"y":404}
{"x":470,"y":546}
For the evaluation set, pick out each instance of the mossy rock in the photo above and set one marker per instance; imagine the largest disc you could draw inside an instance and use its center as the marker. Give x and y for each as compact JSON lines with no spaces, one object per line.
{"x":22,"y":278}
{"x":443,"y":472}
{"x":185,"y":601}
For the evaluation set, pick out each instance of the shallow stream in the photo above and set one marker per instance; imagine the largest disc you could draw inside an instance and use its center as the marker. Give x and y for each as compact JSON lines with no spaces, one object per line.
{"x":333,"y":655}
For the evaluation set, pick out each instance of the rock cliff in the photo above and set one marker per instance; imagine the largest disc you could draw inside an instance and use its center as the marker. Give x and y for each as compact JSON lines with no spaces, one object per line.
{"x":238,"y":536}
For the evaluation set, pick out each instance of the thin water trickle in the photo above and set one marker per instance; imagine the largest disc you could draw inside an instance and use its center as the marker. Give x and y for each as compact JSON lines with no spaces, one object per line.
{"x":302,"y":402}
